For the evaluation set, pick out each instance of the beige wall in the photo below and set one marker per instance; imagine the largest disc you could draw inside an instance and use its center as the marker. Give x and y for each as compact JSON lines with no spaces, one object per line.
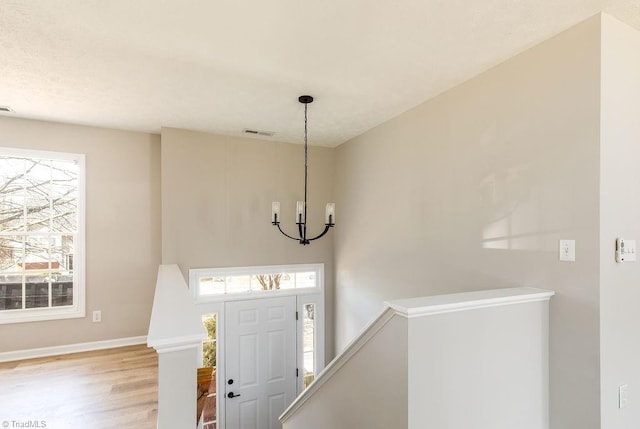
{"x":122,"y":230}
{"x":472,"y":190}
{"x":216,"y":204}
{"x":369,"y":391}
{"x":620,"y":217}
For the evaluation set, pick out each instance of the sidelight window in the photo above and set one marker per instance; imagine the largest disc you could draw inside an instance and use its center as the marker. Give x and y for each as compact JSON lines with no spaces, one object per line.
{"x":210,"y":359}
{"x":308,"y":344}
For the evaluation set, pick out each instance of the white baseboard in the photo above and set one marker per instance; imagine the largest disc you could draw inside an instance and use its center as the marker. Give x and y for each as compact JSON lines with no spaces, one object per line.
{"x":71,"y":348}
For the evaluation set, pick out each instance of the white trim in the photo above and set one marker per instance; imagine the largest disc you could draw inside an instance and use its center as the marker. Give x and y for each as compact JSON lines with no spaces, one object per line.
{"x":440,"y":304}
{"x":39,"y":154}
{"x":246,"y":296}
{"x":182,"y":342}
{"x":71,"y":348}
{"x":177,"y":348}
{"x":80,"y":253}
{"x":196,"y":273}
{"x":260,"y":269}
{"x":334,"y":366}
{"x":44,"y":313}
{"x":77,"y":310}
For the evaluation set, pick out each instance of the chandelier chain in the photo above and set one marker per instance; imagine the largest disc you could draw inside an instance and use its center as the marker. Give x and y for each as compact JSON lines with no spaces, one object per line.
{"x":305,"y":164}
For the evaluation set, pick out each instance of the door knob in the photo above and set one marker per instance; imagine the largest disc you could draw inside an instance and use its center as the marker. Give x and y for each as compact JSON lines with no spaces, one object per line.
{"x":232,"y":395}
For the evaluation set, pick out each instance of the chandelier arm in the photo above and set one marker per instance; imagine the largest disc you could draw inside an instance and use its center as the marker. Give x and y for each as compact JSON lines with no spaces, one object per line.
{"x":327,"y":226}
{"x":284,"y":233}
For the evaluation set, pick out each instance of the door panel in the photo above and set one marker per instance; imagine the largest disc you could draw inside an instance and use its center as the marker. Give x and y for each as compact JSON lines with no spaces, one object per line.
{"x":248,"y":351}
{"x":276,"y":348}
{"x":276,"y":407}
{"x":248,"y":414}
{"x":260,"y":344}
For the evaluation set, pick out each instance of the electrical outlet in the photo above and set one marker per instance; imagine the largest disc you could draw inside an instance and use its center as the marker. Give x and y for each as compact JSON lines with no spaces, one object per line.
{"x":97,"y":316}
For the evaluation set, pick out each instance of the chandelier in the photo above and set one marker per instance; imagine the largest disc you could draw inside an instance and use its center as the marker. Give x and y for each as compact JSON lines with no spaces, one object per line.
{"x":301,"y":206}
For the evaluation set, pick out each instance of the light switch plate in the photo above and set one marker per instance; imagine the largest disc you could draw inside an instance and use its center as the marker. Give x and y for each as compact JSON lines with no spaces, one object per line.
{"x":623,"y":396}
{"x":568,"y":250}
{"x":625,"y":250}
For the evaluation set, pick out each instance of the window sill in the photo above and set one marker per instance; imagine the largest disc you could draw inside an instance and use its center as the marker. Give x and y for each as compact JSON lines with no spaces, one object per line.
{"x":40,"y":314}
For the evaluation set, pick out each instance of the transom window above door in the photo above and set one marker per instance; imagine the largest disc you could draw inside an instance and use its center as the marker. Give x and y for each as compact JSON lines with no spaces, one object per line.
{"x":221,"y":283}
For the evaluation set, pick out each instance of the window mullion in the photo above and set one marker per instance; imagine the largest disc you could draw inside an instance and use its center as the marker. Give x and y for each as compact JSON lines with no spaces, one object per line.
{"x":23,"y":275}
{"x":23,"y":228}
{"x":24,"y":197}
{"x":50,"y":198}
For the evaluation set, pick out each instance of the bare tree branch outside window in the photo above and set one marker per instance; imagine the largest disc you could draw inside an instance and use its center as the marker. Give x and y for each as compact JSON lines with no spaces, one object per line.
{"x":38,"y":223}
{"x":269,"y":281}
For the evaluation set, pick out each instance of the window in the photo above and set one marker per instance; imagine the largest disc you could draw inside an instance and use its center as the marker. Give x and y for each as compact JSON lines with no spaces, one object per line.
{"x":41,"y":235}
{"x":218,"y":283}
{"x":308,"y":344}
{"x":209,"y":359}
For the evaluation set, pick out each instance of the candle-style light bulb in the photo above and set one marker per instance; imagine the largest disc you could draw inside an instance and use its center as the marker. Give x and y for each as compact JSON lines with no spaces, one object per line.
{"x":275,"y":212}
{"x":300,"y":212}
{"x":330,"y":214}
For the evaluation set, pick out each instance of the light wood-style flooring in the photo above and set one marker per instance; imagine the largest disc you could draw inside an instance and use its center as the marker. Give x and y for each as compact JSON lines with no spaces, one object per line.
{"x":115,"y":388}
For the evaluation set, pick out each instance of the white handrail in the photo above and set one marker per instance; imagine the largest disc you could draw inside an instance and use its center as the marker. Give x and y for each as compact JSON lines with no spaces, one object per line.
{"x":335,"y":365}
{"x":439,"y":304}
{"x":413,"y":308}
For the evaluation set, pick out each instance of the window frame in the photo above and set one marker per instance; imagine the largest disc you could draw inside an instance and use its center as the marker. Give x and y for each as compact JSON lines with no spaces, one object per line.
{"x":76,"y":310}
{"x":196,"y":273}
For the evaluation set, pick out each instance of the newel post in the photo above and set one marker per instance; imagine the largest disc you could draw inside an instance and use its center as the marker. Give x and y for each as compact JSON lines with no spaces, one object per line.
{"x":176,"y":332}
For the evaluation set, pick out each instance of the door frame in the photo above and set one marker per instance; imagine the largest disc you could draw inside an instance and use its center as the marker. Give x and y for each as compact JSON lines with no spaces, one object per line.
{"x":216,"y":304}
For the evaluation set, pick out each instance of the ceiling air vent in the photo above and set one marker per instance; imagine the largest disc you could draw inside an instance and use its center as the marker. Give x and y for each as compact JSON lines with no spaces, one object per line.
{"x":6,"y":109}
{"x":258,"y":133}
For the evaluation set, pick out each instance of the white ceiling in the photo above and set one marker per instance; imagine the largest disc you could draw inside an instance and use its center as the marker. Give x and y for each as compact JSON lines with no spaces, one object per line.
{"x":225,"y":65}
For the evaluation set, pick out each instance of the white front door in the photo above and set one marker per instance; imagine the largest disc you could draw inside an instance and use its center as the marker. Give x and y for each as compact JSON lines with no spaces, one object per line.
{"x":260,"y":368}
